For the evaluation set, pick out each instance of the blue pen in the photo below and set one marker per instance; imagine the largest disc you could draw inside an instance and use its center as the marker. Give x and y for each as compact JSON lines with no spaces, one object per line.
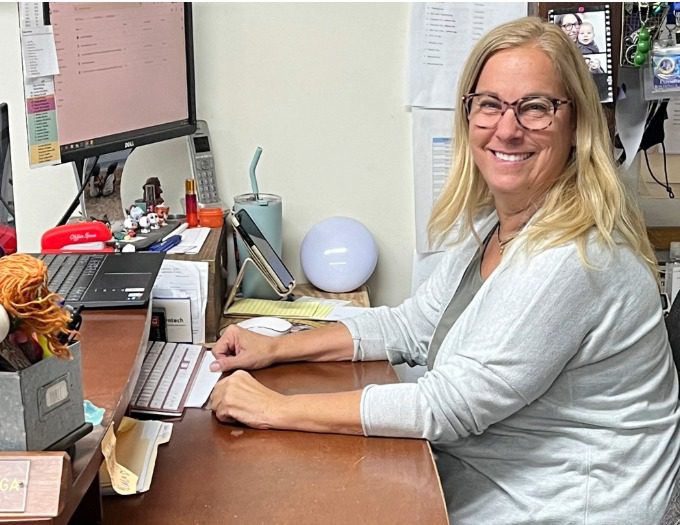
{"x":166,"y":245}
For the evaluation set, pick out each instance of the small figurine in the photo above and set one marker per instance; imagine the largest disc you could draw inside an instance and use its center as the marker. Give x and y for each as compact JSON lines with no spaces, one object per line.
{"x":136,"y":212}
{"x":144,"y":224}
{"x":153,"y":220}
{"x":162,"y":210}
{"x":130,"y":224}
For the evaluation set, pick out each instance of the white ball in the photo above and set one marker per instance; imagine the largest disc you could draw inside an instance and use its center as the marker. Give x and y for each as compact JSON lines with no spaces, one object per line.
{"x":338,"y":254}
{"x":4,"y":323}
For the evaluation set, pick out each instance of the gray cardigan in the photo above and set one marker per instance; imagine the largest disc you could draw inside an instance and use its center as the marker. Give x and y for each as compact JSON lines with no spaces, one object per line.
{"x":554,"y":397}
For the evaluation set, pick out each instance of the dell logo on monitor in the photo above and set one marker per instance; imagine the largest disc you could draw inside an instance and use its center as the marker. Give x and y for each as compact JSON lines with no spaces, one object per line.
{"x":130,"y":144}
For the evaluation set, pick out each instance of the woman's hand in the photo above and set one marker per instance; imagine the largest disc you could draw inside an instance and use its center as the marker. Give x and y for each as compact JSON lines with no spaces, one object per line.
{"x":242,"y":398}
{"x":238,"y":348}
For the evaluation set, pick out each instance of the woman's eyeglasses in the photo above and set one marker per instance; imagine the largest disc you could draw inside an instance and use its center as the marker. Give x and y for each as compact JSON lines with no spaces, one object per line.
{"x":534,"y":113}
{"x":569,"y":27}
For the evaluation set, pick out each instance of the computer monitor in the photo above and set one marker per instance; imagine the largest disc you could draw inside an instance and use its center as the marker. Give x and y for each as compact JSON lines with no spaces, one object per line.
{"x":126,"y":79}
{"x":8,"y":238}
{"x":126,"y":75}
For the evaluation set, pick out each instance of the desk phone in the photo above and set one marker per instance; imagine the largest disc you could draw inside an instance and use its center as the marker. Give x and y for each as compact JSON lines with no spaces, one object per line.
{"x":203,"y":164}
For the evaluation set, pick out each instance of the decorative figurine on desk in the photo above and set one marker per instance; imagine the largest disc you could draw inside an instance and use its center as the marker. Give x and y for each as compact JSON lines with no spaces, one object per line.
{"x":153,"y":220}
{"x":162,"y":210}
{"x":144,"y":224}
{"x":33,"y":324}
{"x":136,"y":213}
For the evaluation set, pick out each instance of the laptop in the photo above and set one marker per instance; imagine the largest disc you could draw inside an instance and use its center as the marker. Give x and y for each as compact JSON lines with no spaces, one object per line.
{"x":103,"y":280}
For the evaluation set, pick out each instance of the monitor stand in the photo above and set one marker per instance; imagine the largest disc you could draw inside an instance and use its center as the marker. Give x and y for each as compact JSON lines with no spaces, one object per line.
{"x":98,"y":180}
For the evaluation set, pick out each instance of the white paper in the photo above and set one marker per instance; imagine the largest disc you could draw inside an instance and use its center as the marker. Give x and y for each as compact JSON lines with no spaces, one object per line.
{"x":178,"y":318}
{"x":192,"y":241}
{"x":186,"y":279}
{"x":203,"y":383}
{"x":31,"y":14}
{"x":630,"y":114}
{"x":321,"y":300}
{"x":39,"y":52}
{"x":441,"y":37}
{"x":432,"y":139}
{"x":675,"y":281}
{"x":672,"y":128}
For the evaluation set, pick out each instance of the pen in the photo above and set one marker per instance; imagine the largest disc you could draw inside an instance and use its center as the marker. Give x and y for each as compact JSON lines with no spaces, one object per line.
{"x":176,"y":231}
{"x":166,"y":245}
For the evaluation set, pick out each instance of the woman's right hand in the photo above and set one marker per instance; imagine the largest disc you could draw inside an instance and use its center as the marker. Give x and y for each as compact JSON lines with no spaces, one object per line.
{"x":239,"y":348}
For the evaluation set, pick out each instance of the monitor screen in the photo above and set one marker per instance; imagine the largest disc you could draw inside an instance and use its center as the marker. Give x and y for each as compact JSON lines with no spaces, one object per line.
{"x":126,"y":75}
{"x":8,"y":238}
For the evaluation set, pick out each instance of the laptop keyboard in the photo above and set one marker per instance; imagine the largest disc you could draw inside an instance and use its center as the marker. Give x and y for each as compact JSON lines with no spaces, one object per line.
{"x":70,"y":275}
{"x":165,"y":377}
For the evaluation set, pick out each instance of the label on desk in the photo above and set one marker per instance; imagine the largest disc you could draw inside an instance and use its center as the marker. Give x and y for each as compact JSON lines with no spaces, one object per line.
{"x":13,"y":484}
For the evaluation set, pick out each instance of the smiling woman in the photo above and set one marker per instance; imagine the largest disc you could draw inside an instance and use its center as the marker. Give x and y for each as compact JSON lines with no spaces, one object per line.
{"x":551,"y":395}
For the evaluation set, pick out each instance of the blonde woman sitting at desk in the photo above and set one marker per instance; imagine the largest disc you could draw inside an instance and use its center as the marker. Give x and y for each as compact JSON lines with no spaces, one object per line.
{"x":551,"y":394}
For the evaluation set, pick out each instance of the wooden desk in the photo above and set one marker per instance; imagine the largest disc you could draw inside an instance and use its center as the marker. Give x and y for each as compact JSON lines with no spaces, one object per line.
{"x":112,"y":344}
{"x":212,"y":473}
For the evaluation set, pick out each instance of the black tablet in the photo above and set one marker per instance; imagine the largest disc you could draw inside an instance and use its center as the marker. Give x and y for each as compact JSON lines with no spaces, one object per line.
{"x":262,"y":253}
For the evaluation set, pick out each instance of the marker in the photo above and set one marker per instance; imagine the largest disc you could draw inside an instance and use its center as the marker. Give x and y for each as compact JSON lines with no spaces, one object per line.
{"x":176,"y":231}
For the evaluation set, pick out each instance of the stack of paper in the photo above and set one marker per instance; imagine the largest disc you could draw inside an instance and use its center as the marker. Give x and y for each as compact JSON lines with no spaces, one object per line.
{"x":186,"y":280}
{"x":289,"y":310}
{"x":130,"y":457}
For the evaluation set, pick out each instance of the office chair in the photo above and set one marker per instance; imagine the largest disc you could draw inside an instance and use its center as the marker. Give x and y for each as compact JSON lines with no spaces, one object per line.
{"x":672,"y":514}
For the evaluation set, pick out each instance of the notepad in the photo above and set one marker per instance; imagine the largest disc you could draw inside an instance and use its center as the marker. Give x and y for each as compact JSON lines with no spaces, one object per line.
{"x":286,"y":309}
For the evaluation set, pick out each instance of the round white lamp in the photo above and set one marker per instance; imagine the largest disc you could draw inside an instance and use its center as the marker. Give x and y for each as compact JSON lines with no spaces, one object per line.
{"x":338,"y":254}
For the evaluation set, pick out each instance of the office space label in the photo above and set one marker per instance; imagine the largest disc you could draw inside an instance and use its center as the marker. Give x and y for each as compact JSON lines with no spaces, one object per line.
{"x":13,"y":484}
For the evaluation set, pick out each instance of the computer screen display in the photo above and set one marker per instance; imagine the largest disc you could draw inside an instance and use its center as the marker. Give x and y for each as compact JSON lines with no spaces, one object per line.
{"x":8,"y":238}
{"x":126,"y":75}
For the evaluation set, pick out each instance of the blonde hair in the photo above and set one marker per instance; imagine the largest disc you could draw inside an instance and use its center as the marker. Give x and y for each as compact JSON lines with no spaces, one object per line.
{"x":587,"y":193}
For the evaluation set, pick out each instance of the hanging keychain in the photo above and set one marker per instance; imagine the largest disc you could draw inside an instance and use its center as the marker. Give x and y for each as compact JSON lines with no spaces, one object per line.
{"x":644,"y":36}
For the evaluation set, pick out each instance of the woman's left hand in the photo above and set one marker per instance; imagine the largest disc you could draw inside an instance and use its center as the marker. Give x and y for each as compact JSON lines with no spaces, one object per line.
{"x":242,"y":398}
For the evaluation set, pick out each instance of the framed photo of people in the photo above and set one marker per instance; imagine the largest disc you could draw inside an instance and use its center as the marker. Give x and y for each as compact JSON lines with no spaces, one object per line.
{"x":589,"y":27}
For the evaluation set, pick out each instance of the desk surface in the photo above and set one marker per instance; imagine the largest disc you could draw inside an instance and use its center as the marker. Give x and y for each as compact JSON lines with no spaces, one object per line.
{"x":215,"y":473}
{"x":111,"y":344}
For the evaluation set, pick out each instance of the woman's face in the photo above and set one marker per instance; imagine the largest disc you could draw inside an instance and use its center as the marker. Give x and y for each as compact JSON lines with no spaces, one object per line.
{"x":520,"y":165}
{"x":571,"y":26}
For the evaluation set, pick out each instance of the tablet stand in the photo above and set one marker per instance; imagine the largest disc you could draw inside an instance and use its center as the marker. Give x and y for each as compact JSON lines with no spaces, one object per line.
{"x":239,"y":279}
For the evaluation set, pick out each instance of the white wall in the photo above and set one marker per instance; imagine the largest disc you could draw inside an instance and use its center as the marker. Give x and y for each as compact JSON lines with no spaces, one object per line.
{"x":320,"y":87}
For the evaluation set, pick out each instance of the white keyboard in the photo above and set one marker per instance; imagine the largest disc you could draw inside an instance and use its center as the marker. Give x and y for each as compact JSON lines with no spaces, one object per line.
{"x":166,"y":378}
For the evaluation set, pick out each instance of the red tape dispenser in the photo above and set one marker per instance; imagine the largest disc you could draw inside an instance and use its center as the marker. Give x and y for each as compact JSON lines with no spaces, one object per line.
{"x":77,"y":237}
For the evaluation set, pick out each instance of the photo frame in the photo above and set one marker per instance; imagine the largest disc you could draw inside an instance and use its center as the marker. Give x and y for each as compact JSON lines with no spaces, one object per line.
{"x":589,"y":27}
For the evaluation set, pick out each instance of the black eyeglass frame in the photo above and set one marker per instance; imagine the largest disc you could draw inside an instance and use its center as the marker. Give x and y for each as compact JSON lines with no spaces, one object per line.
{"x":556,"y":102}
{"x":571,"y":26}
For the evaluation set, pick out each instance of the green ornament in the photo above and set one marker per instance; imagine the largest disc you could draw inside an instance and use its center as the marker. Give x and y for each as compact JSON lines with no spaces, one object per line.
{"x":643,"y":46}
{"x":639,"y":58}
{"x":644,"y":34}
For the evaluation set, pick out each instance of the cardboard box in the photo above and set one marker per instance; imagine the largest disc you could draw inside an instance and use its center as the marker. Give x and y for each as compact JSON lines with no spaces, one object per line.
{"x":41,"y":404}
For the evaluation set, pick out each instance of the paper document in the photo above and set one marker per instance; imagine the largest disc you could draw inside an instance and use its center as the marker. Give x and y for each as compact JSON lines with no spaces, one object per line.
{"x":131,"y":456}
{"x":286,"y":309}
{"x":186,"y":279}
{"x":39,"y":52}
{"x":442,"y":35}
{"x":432,"y":139}
{"x":192,"y":241}
{"x":204,"y":382}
